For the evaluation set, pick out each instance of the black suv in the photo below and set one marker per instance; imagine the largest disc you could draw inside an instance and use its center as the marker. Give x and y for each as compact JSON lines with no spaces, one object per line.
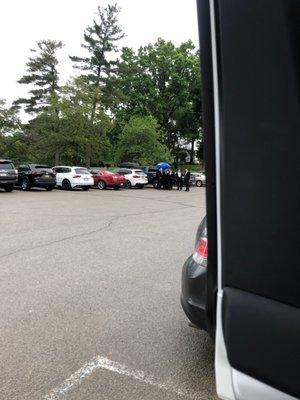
{"x":8,"y":175}
{"x":36,"y":175}
{"x":151,"y":175}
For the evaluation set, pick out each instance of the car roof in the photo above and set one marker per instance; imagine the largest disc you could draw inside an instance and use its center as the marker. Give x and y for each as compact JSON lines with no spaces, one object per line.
{"x":5,"y":161}
{"x":68,"y":166}
{"x":40,"y":165}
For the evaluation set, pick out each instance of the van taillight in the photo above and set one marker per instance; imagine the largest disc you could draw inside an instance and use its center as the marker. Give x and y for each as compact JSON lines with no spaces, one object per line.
{"x":201,"y":252}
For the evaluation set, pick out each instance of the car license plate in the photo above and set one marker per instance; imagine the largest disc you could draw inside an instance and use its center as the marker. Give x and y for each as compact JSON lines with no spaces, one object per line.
{"x":86,"y":179}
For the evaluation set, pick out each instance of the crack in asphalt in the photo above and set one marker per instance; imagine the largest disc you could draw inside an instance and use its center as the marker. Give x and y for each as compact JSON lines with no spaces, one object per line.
{"x":102,"y":228}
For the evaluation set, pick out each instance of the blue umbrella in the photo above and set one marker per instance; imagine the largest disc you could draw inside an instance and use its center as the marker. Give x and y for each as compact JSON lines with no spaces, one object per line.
{"x":163,"y":165}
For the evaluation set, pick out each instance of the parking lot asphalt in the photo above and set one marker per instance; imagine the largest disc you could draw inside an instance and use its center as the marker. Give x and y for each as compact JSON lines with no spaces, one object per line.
{"x":89,"y":289}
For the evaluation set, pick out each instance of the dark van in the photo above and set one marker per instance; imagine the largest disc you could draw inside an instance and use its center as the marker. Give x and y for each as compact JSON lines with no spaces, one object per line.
{"x":8,"y":175}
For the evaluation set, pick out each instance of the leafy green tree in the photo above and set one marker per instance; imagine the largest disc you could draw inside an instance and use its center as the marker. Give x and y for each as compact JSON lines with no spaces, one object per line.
{"x":16,"y":147}
{"x":87,"y":140}
{"x":139,"y":141}
{"x":160,"y":80}
{"x":9,"y":119}
{"x":42,"y":75}
{"x":12,"y":139}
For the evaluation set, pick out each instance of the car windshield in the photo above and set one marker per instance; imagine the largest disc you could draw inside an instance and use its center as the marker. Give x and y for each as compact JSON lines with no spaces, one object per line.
{"x":6,"y":165}
{"x":82,"y":171}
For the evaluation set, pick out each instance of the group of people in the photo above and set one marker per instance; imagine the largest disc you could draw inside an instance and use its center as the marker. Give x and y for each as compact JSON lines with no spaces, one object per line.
{"x":167,"y":178}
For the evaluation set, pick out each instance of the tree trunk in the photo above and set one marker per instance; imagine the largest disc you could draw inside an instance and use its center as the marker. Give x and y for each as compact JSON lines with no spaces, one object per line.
{"x":192,"y":152}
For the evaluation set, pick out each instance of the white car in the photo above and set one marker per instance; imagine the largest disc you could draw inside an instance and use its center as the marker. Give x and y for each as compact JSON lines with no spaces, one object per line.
{"x":134,"y":177}
{"x":73,"y":177}
{"x":199,"y":178}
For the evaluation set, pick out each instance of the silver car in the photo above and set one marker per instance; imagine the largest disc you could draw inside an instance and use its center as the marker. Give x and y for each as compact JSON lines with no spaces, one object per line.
{"x":198,"y":178}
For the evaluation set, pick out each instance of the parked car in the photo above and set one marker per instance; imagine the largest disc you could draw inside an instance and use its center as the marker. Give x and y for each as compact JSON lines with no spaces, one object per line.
{"x":129,"y":165}
{"x":193,"y":283}
{"x":134,"y":178}
{"x":69,"y":178}
{"x":8,"y":175}
{"x":198,"y":178}
{"x":151,"y":175}
{"x":104,"y":179}
{"x":36,"y":175}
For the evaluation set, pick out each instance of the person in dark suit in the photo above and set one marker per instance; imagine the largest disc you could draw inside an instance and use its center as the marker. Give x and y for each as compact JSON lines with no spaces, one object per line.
{"x":164,"y":179}
{"x":159,"y":178}
{"x":170,"y":179}
{"x":186,"y":180}
{"x":179,"y":180}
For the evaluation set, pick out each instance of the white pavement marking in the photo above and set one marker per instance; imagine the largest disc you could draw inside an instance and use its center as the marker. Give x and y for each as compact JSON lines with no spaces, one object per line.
{"x":99,"y":362}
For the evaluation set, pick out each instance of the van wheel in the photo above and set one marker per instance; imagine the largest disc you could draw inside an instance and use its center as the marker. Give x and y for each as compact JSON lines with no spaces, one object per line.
{"x":66,"y":185}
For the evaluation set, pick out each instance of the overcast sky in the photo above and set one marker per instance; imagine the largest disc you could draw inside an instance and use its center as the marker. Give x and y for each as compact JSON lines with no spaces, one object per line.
{"x":24,"y":22}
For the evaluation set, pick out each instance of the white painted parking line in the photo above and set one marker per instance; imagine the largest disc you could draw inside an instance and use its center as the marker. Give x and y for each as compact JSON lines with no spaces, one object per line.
{"x":104,"y":363}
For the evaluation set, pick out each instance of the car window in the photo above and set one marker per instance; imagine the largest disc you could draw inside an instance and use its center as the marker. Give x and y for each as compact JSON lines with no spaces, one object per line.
{"x":43,"y":167}
{"x":23,"y":168}
{"x":66,"y":170}
{"x":82,"y":171}
{"x":6,"y":165}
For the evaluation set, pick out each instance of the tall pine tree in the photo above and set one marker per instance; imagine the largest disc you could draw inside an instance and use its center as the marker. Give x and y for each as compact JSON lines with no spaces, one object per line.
{"x":100,"y":42}
{"x":42,"y":75}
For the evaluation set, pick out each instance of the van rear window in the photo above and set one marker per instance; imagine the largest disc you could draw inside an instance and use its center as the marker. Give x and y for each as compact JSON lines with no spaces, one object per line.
{"x":82,"y":171}
{"x":6,"y":165}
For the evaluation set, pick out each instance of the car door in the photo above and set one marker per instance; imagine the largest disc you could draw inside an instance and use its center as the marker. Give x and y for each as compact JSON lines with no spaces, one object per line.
{"x":251,"y":75}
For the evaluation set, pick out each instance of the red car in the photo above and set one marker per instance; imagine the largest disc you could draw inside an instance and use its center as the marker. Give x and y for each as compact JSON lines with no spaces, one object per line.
{"x":104,"y":179}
